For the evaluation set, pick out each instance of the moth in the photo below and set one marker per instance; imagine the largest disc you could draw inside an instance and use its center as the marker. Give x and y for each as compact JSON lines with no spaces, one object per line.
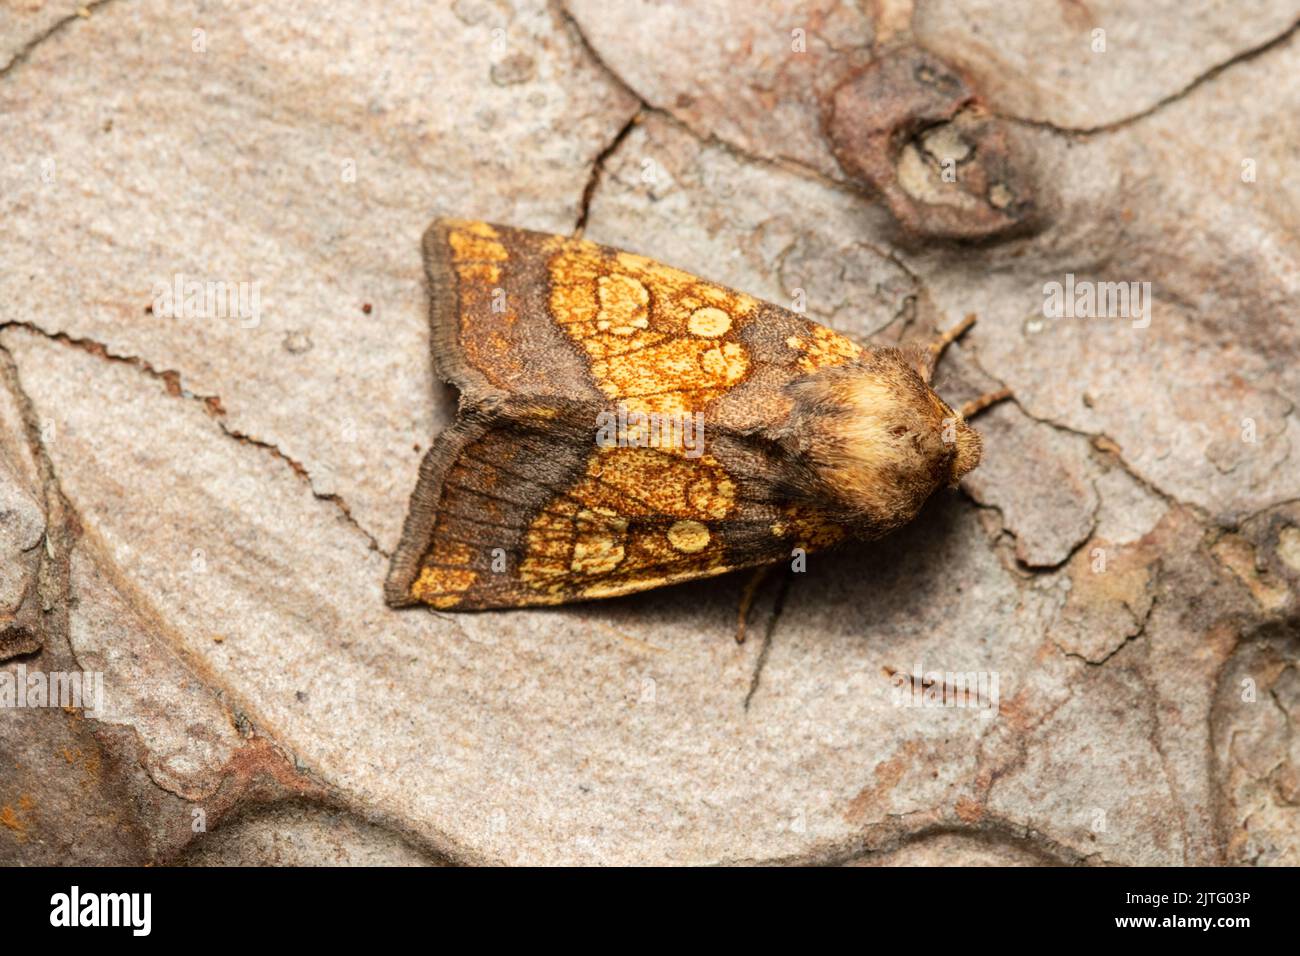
{"x":625,"y":425}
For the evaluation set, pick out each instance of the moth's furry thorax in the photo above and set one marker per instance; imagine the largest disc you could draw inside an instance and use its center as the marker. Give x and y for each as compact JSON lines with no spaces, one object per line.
{"x":876,"y":439}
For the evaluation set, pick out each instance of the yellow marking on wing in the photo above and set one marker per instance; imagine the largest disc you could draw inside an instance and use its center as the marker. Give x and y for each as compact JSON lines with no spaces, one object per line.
{"x":823,"y":348}
{"x":476,"y":242}
{"x":709,"y":322}
{"x":810,"y":530}
{"x":619,"y":586}
{"x":647,"y":482}
{"x":455,"y":552}
{"x":485,"y":273}
{"x":441,"y":586}
{"x":624,"y":305}
{"x":475,"y":252}
{"x":591,"y":531}
{"x":479,"y":257}
{"x":655,"y":337}
{"x":655,"y":557}
{"x":473,"y":227}
{"x":598,"y":541}
{"x":678,"y":376}
{"x":688,"y":536}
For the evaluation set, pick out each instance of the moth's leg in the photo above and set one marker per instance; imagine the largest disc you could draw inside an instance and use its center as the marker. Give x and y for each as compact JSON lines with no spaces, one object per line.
{"x":747,"y":598}
{"x":936,"y":348}
{"x":977,"y":405}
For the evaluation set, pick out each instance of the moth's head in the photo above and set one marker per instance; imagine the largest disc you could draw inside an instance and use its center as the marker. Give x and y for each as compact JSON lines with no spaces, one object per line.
{"x":878,"y":439}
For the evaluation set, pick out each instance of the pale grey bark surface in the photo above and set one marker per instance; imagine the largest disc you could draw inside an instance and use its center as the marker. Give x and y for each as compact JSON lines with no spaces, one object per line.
{"x":201,"y":509}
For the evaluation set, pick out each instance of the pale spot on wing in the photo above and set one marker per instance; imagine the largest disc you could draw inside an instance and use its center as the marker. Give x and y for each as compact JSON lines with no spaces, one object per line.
{"x":655,"y":336}
{"x":598,"y":544}
{"x":709,"y":322}
{"x":624,"y":305}
{"x":688,"y":536}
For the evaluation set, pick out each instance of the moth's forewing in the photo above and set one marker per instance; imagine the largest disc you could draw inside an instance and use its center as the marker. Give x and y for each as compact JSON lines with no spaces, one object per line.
{"x":549,"y":338}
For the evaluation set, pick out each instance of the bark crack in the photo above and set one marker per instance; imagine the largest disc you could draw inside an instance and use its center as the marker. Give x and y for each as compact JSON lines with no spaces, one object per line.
{"x":1243,"y":56}
{"x":212,"y":404}
{"x":598,"y":171}
{"x":783,"y":163}
{"x":1139,"y":632}
{"x":81,"y":13}
{"x":1099,"y":440}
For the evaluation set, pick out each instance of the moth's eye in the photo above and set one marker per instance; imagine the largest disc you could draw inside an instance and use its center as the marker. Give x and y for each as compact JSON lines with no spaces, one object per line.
{"x":898,"y":430}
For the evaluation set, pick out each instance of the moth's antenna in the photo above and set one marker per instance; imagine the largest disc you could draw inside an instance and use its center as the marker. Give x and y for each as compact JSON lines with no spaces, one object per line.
{"x":977,"y":405}
{"x":952,"y":335}
{"x":937,"y":347}
{"x":935,"y":350}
